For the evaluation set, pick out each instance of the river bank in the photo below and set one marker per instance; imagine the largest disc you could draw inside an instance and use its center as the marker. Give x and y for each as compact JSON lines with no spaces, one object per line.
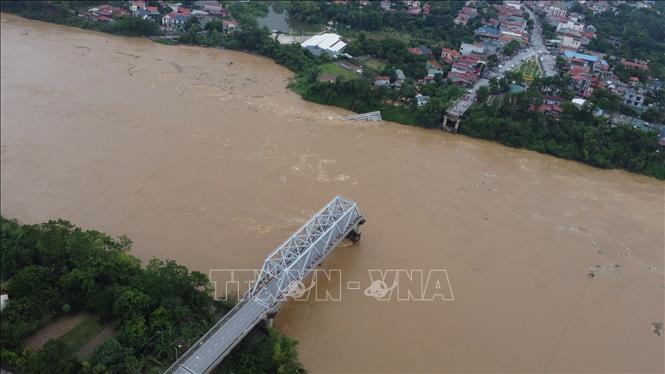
{"x":576,"y":135}
{"x":205,"y":157}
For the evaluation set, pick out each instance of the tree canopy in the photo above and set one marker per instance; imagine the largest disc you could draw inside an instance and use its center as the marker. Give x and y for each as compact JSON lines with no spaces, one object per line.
{"x":154,"y":309}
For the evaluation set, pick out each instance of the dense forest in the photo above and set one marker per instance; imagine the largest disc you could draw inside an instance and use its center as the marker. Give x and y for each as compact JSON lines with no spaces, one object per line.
{"x":638,"y":34}
{"x":56,"y":268}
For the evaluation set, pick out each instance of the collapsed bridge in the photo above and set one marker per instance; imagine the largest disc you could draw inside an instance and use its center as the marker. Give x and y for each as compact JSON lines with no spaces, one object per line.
{"x":283,"y":269}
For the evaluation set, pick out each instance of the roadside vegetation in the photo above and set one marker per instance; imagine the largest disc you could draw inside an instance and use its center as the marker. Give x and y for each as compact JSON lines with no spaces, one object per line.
{"x":157,"y":310}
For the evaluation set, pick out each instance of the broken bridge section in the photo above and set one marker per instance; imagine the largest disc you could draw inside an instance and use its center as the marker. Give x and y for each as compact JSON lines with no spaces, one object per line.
{"x":283,"y":269}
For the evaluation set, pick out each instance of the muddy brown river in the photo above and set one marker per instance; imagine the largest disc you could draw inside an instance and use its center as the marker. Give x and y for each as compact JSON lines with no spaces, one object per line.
{"x":204,"y":156}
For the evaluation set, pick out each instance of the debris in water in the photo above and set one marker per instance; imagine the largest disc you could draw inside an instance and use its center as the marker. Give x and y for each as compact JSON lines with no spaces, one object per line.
{"x":657,"y":327}
{"x":593,"y":271}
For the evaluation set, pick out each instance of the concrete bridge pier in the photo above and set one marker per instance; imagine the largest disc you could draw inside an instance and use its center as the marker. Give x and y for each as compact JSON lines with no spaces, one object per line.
{"x":270,"y":318}
{"x":451,"y":128}
{"x":354,"y":234}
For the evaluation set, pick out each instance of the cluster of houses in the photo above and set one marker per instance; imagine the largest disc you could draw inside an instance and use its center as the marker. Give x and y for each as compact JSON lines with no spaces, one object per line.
{"x":572,"y":33}
{"x":465,"y":65}
{"x":171,"y":16}
{"x":590,"y":71}
{"x":384,"y":81}
{"x":509,"y":24}
{"x":492,"y":36}
{"x":104,"y":13}
{"x":467,"y":13}
{"x":412,"y":7}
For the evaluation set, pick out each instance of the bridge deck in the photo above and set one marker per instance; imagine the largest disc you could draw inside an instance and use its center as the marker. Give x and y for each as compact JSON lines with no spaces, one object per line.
{"x":370,"y":116}
{"x":283,"y":268}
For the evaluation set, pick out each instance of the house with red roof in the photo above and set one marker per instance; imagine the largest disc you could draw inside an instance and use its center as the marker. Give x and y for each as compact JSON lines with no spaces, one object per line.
{"x":135,"y":5}
{"x":229,"y":25}
{"x":462,"y":19}
{"x":553,"y":110}
{"x":449,"y":56}
{"x":426,"y":9}
{"x":381,"y":80}
{"x":635,"y":65}
{"x":414,"y":11}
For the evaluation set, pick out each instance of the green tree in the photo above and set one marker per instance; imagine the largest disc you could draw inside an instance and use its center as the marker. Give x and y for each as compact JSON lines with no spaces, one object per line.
{"x":52,"y":358}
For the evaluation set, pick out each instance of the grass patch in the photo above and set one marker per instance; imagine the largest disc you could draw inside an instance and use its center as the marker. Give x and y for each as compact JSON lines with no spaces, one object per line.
{"x":398,"y":114}
{"x":375,"y":64}
{"x":334,"y":69}
{"x":371,"y":63}
{"x":529,"y":68}
{"x":81,"y":334}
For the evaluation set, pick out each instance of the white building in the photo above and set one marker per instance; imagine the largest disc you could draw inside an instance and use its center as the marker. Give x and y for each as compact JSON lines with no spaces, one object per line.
{"x":400,"y":78}
{"x":556,"y":11}
{"x":570,"y":43}
{"x":331,"y":44}
{"x":570,"y":25}
{"x":579,"y":102}
{"x":513,"y":4}
{"x":422,"y":100}
{"x":134,"y":6}
{"x":381,"y":80}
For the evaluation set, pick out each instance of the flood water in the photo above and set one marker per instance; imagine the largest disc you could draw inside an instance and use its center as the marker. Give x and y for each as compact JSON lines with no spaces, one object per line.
{"x":277,"y":19}
{"x":204,"y":156}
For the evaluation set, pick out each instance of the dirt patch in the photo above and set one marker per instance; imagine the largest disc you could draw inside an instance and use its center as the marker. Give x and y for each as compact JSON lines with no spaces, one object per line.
{"x":87,"y":350}
{"x":53,"y":330}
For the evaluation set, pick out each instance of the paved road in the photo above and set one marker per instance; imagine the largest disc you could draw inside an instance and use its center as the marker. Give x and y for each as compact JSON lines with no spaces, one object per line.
{"x":536,"y":49}
{"x":222,"y":339}
{"x":546,"y":59}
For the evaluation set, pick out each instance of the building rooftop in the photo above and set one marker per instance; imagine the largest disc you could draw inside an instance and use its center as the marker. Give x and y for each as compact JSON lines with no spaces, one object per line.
{"x":580,"y":56}
{"x":327,"y":41}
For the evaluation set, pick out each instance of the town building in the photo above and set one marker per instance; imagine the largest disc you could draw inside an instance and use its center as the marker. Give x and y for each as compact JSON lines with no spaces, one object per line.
{"x":634,"y":97}
{"x":399,"y":78}
{"x":213,"y":7}
{"x":174,"y":19}
{"x":229,"y":25}
{"x":449,"y":56}
{"x":328,"y":43}
{"x":639,"y":65}
{"x":134,"y":6}
{"x":381,"y":80}
{"x":422,"y":100}
{"x":421,"y":51}
{"x":570,"y":44}
{"x":467,"y":49}
{"x":488,"y":32}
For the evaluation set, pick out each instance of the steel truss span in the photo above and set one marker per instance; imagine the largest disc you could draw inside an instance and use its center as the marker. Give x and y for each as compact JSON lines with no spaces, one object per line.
{"x":282,"y":270}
